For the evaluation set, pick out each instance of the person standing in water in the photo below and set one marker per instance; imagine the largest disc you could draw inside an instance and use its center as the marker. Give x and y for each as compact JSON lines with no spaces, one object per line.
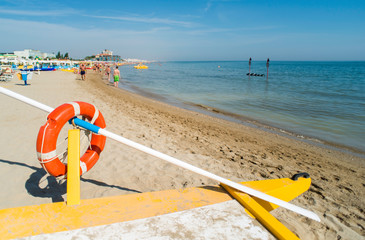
{"x":108,"y":71}
{"x":116,"y":74}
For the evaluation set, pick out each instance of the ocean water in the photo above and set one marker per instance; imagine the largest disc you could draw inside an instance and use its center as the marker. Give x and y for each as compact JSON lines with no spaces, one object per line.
{"x":318,"y":100}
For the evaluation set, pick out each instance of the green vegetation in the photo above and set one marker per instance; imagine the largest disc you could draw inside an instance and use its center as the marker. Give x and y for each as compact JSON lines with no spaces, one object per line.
{"x":60,"y":56}
{"x":89,"y":57}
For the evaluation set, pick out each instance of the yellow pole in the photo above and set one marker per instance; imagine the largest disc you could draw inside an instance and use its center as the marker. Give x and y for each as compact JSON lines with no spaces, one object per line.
{"x":73,"y":167}
{"x":264,"y":217}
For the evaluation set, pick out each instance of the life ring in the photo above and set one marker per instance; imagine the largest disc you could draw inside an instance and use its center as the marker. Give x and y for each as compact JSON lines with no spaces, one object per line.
{"x":48,"y":134}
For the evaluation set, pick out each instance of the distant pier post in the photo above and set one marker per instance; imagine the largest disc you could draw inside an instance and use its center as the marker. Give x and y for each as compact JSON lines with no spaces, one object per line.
{"x":249,"y":66}
{"x":267,"y":68}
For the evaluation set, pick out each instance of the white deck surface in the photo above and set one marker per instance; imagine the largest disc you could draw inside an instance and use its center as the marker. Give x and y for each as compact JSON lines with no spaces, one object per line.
{"x":226,"y":220}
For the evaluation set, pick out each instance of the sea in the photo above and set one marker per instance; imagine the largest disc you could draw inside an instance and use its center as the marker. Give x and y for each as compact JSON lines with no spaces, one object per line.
{"x":321,"y":102}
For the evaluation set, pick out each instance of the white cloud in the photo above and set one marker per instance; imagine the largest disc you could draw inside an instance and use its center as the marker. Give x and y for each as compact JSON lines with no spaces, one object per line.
{"x":229,"y":30}
{"x":149,"y":20}
{"x":39,"y":12}
{"x":148,"y":43}
{"x":209,"y":4}
{"x":50,"y":37}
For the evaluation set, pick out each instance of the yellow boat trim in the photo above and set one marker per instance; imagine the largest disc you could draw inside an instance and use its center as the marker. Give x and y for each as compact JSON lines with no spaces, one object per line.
{"x":55,"y":217}
{"x":264,"y":217}
{"x":285,"y":189}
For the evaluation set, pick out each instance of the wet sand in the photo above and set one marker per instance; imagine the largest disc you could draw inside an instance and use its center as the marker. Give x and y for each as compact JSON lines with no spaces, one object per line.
{"x":228,"y":149}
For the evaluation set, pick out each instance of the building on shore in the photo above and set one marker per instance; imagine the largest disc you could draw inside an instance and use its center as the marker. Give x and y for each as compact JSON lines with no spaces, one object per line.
{"x":8,"y":56}
{"x":33,"y":54}
{"x":107,"y":56}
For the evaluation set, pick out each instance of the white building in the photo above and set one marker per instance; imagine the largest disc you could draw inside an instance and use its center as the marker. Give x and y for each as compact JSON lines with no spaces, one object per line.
{"x":107,"y":52}
{"x":30,"y":53}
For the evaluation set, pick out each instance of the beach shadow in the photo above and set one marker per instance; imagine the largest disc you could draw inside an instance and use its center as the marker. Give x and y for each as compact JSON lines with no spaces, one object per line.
{"x":102,"y":184}
{"x":51,"y":187}
{"x":214,"y":188}
{"x":19,"y":84}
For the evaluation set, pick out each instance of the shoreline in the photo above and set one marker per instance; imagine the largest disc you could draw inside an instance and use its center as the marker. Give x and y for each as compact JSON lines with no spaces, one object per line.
{"x":326,"y":166}
{"x":225,"y":148}
{"x":277,"y":130}
{"x":247,"y":121}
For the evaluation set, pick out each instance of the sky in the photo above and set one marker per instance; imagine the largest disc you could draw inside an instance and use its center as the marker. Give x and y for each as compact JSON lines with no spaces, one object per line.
{"x":209,"y":30}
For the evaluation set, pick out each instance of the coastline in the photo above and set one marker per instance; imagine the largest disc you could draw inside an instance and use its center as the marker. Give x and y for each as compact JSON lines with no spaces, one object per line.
{"x":324,"y":165}
{"x":308,"y":111}
{"x":250,"y":122}
{"x":228,"y":149}
{"x":276,"y":130}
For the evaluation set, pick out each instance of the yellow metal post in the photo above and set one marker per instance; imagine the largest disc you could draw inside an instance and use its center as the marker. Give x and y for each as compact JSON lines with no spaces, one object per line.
{"x":73,"y":167}
{"x":262,"y":215}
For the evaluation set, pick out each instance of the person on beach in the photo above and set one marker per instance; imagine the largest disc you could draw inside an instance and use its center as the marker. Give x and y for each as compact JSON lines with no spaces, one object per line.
{"x":108,"y":71}
{"x":82,"y":71}
{"x":116,"y":74}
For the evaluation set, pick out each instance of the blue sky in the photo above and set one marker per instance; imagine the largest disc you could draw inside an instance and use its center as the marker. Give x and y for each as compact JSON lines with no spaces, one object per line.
{"x":188,"y":30}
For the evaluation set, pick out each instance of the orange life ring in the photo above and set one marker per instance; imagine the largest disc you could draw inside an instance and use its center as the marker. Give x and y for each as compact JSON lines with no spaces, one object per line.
{"x":48,"y":134}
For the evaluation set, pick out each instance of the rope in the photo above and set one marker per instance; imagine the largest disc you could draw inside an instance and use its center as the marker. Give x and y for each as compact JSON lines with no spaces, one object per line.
{"x":42,"y":162}
{"x":47,"y":161}
{"x":62,"y":142}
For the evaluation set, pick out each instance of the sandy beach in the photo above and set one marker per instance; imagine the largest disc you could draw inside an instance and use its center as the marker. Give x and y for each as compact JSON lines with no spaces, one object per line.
{"x":228,"y":149}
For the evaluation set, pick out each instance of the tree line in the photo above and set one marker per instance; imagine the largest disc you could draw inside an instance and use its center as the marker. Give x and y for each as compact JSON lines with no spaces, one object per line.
{"x":60,"y":56}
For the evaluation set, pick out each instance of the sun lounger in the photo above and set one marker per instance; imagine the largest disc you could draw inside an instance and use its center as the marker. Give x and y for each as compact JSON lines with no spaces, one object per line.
{"x":6,"y":77}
